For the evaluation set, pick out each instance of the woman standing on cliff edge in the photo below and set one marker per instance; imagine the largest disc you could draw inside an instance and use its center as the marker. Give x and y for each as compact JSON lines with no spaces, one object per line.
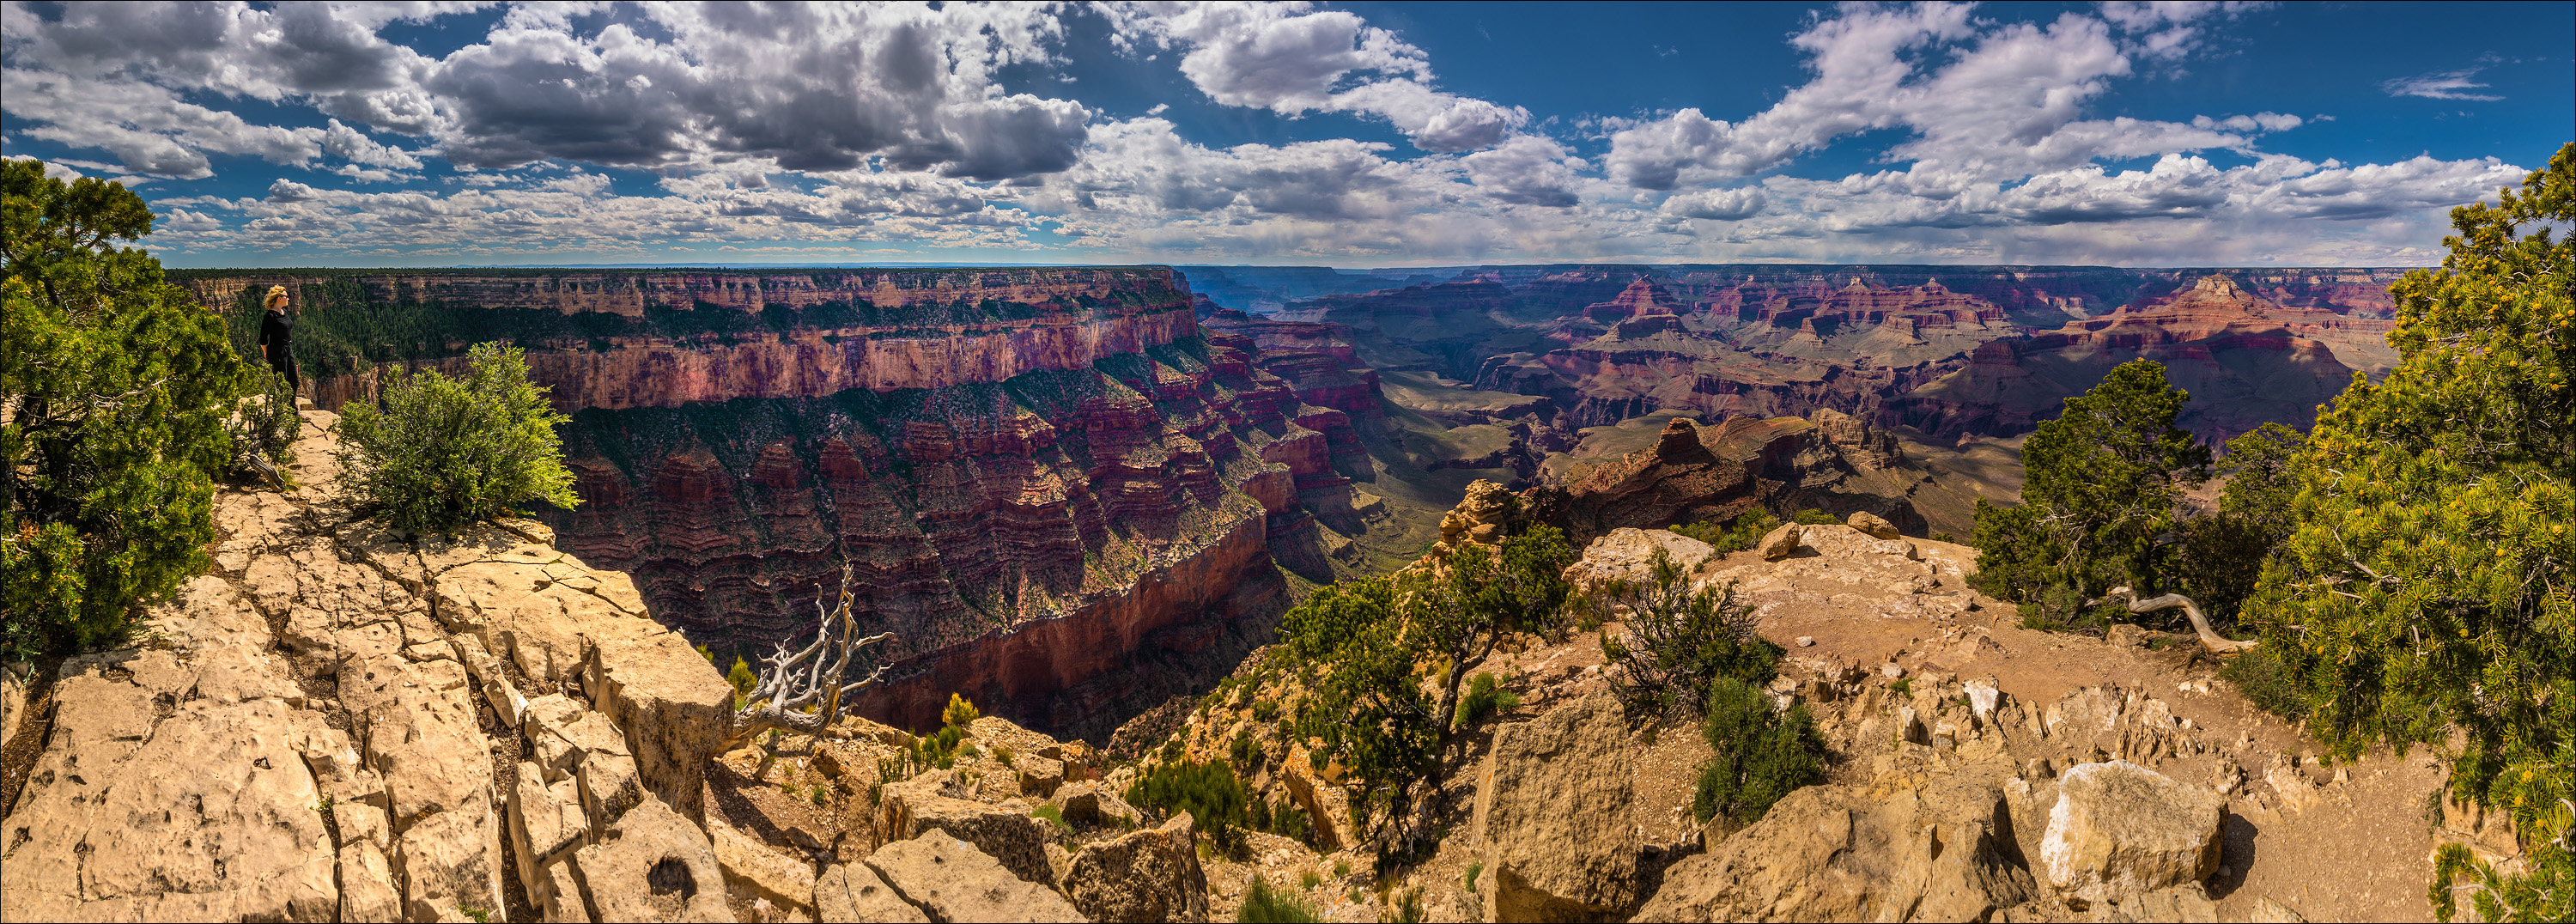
{"x":277,"y":337}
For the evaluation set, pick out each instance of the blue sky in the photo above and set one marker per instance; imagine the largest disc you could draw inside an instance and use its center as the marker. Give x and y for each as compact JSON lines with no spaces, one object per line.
{"x":1363,"y":134}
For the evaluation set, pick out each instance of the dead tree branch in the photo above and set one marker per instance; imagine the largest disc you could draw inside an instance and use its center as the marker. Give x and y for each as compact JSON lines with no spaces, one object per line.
{"x":2209,"y":638}
{"x":801,"y":691}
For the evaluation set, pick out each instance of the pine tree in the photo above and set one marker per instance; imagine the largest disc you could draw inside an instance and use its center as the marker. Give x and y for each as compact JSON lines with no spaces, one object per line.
{"x":2098,"y":505}
{"x":115,"y":387}
{"x":2430,"y":582}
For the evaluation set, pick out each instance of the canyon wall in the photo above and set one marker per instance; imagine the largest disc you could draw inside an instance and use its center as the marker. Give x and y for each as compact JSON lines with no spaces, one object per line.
{"x":1893,"y":345}
{"x":1038,"y":476}
{"x":628,"y":339}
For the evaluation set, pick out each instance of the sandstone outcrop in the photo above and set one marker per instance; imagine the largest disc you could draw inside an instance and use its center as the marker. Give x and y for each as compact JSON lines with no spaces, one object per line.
{"x":323,"y":728}
{"x":1713,"y":474}
{"x":1940,"y":853}
{"x":1151,"y":875}
{"x":951,"y":881}
{"x":1552,"y":816}
{"x":2120,"y":829}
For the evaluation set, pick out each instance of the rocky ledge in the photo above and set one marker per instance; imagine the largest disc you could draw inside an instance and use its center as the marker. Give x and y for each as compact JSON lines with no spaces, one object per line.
{"x":343,"y":723}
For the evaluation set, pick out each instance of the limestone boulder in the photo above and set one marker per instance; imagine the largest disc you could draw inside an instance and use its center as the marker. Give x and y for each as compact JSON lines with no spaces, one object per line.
{"x":673,"y":706}
{"x":1779,"y":542}
{"x":1009,"y":835}
{"x":653,"y":865}
{"x":853,"y":892}
{"x":1555,"y":816}
{"x":2120,"y":829}
{"x":1089,"y":805}
{"x":546,"y":824}
{"x":753,"y":870}
{"x":1875,"y":526}
{"x":1628,"y":554}
{"x":450,"y":863}
{"x":1149,"y":875}
{"x":951,"y":881}
{"x":1828,"y":853}
{"x":367,"y":885}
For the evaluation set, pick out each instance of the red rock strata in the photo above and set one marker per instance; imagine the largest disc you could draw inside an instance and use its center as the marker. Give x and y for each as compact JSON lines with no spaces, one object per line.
{"x":1039,"y":475}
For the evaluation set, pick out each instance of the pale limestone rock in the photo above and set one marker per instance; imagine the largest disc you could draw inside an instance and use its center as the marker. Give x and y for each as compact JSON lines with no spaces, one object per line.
{"x":609,"y":787}
{"x":1875,"y":526}
{"x":1779,"y":542}
{"x":1089,"y":805}
{"x":1328,"y":808}
{"x":672,"y":704}
{"x":1554,"y":815}
{"x":753,"y":870}
{"x":367,"y":885}
{"x":422,"y":735}
{"x":547,"y":824}
{"x":2120,"y":829}
{"x":1627,"y":554}
{"x":362,"y":823}
{"x":1151,"y":875}
{"x":1830,"y":853}
{"x":853,"y":893}
{"x":654,"y":865}
{"x":564,"y":902}
{"x":952,"y":881}
{"x":450,"y":861}
{"x":1012,"y":837}
{"x":177,"y":807}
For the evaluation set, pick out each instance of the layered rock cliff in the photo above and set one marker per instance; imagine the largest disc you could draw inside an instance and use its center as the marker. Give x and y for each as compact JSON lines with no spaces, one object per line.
{"x":624,"y":339}
{"x":1945,"y":355}
{"x":1052,"y":483}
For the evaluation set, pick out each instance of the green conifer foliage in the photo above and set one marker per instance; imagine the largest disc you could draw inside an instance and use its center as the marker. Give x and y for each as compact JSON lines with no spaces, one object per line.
{"x":2430,"y":583}
{"x":115,"y":387}
{"x":443,"y":452}
{"x":2098,"y":506}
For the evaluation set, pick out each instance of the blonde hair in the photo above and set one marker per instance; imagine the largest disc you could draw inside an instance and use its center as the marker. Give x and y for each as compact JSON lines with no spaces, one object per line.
{"x":277,"y":297}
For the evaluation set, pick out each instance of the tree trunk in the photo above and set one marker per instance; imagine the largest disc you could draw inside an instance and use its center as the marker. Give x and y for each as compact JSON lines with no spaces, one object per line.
{"x":2209,"y":638}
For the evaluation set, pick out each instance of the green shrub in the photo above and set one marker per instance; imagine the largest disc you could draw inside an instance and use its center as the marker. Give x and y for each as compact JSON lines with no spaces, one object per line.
{"x":2059,"y":608}
{"x":1761,"y":754}
{"x":1268,"y":906}
{"x":1052,"y":814}
{"x":1485,"y":695}
{"x":743,"y":680}
{"x":1472,"y":870}
{"x":113,"y":429}
{"x":2257,"y":675}
{"x":1679,"y":640}
{"x":1211,"y":793}
{"x":1245,"y":751}
{"x":1745,"y":532}
{"x":1814,"y":517}
{"x":435,"y":453}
